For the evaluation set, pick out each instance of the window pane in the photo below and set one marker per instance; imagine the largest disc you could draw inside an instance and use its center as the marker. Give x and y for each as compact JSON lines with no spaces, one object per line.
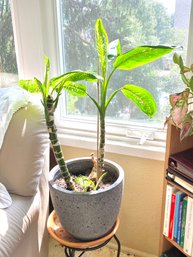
{"x":8,"y":65}
{"x":135,"y":22}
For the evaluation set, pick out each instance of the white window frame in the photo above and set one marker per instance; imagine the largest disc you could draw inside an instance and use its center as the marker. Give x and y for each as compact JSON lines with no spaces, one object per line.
{"x":36,"y":35}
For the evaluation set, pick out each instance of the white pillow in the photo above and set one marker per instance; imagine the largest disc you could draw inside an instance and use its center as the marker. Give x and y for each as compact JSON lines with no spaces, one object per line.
{"x":11,"y":100}
{"x":5,"y":198}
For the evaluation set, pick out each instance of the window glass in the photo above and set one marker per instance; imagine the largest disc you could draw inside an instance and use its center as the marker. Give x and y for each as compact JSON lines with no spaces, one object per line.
{"x":134,"y":22}
{"x":8,"y":65}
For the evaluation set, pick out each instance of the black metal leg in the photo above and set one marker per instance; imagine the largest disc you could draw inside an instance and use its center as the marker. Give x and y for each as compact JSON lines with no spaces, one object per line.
{"x":70,"y":252}
{"x":118,"y":246}
{"x":81,"y":254}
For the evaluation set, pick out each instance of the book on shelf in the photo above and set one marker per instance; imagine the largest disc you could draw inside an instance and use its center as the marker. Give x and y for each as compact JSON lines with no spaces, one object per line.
{"x":182,"y":163}
{"x":183,"y":223}
{"x":179,"y":196}
{"x":175,"y":177}
{"x":179,"y":226}
{"x":188,"y":236}
{"x":171,"y":218}
{"x":169,"y":190}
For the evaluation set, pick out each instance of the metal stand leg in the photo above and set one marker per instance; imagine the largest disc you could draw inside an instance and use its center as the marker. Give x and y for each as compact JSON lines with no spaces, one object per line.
{"x":118,"y":245}
{"x":81,"y":254}
{"x":70,"y":252}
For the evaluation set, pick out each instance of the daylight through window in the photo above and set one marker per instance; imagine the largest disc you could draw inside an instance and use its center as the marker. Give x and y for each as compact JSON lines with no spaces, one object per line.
{"x":8,"y":65}
{"x":135,"y":22}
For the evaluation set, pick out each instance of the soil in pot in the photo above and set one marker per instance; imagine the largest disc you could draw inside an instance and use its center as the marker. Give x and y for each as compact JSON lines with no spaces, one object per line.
{"x":108,"y":180}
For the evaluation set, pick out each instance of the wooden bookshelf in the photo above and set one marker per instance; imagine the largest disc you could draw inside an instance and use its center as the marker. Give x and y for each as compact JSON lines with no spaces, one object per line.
{"x":173,"y":145}
{"x":173,"y":243}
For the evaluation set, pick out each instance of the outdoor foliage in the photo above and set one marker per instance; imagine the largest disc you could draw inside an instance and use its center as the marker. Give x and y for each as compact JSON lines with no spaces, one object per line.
{"x":7,"y":49}
{"x":135,"y":22}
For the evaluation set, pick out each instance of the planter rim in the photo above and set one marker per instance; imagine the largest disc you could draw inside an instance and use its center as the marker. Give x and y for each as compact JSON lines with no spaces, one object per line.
{"x":55,"y":169}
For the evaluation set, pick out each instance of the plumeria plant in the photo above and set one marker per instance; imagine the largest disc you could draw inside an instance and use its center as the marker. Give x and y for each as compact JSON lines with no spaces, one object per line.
{"x":72,"y":82}
{"x":181,"y":113}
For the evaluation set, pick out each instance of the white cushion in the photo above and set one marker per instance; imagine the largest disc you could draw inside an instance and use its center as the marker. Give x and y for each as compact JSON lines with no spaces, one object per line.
{"x":11,"y":100}
{"x":23,"y":149}
{"x":15,"y":221}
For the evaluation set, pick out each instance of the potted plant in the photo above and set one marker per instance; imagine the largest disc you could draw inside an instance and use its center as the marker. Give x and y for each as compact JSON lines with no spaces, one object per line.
{"x":181,"y":113}
{"x":91,"y":213}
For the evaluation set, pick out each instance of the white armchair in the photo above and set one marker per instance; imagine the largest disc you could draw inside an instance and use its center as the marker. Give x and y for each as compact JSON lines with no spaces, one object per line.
{"x":24,"y":165}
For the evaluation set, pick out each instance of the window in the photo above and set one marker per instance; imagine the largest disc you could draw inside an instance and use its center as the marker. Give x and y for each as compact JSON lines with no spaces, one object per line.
{"x":136,"y":22}
{"x":8,"y":65}
{"x":147,"y":22}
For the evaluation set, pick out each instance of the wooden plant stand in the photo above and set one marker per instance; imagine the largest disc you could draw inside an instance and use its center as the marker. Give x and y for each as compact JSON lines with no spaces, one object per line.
{"x":71,"y":244}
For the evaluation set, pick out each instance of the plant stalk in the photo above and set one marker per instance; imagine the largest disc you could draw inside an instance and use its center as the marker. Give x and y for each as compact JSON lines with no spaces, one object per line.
{"x":57,"y":149}
{"x":100,"y":161}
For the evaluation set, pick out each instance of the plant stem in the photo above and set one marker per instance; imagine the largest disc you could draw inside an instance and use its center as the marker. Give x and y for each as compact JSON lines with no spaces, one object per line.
{"x":100,"y":160}
{"x":101,"y":150}
{"x":57,"y":149}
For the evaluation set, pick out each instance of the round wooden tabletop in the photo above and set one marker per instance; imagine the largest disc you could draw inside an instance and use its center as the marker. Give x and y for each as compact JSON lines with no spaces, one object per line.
{"x":59,"y":233}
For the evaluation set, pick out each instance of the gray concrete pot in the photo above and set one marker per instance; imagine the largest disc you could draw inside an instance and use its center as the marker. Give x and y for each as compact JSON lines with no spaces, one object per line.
{"x":91,"y":215}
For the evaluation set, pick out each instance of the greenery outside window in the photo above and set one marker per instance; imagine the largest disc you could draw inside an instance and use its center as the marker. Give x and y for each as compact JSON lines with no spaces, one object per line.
{"x":8,"y":65}
{"x":136,"y":22}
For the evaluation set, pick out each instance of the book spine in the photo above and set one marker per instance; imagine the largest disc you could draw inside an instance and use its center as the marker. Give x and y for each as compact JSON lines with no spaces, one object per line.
{"x":171,"y":222}
{"x":179,"y":223}
{"x":169,"y":190}
{"x":188,"y":236}
{"x":179,"y":196}
{"x":184,"y":210}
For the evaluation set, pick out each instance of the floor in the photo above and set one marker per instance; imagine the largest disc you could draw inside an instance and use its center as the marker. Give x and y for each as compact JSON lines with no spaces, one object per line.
{"x":56,"y":250}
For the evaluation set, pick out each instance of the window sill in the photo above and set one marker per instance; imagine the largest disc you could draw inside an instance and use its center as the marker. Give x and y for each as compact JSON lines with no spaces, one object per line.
{"x":154,"y":150}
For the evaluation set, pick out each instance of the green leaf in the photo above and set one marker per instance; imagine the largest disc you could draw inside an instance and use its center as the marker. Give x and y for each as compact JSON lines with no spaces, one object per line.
{"x":102,"y":44}
{"x":75,"y":89}
{"x":41,"y":86}
{"x":140,"y":56}
{"x":191,"y":82}
{"x":114,"y":49}
{"x":29,"y":85}
{"x":141,"y":97}
{"x":74,"y":76}
{"x":84,"y":182}
{"x":178,"y":60}
{"x":47,"y":72}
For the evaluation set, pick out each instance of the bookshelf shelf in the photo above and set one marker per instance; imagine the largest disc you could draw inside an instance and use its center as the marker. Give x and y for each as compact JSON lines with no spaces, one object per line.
{"x":180,"y":188}
{"x":173,"y":145}
{"x":176,"y":245}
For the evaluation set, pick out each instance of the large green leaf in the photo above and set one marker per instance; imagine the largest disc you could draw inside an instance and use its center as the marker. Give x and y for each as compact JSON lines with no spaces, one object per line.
{"x":75,"y":76}
{"x":141,"y":97}
{"x":102,"y":43}
{"x":75,"y":89}
{"x":29,"y":85}
{"x":140,"y":56}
